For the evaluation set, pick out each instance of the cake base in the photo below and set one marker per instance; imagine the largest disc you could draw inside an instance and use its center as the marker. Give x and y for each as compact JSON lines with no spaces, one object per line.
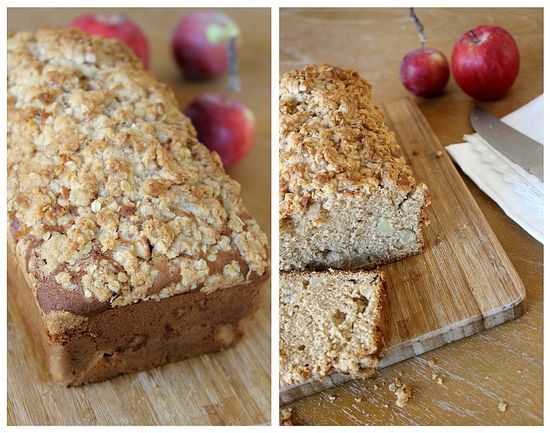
{"x":142,"y":335}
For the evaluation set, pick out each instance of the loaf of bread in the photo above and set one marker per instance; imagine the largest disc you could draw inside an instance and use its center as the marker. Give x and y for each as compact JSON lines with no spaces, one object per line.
{"x":332,"y":321}
{"x":348,"y":199}
{"x":135,"y":244}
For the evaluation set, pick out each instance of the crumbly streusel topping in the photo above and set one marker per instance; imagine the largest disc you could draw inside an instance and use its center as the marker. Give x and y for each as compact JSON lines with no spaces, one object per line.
{"x":333,"y":138}
{"x":109,"y":191}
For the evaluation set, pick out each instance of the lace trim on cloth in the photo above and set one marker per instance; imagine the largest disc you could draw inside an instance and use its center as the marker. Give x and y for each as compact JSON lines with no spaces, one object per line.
{"x":525,"y":185}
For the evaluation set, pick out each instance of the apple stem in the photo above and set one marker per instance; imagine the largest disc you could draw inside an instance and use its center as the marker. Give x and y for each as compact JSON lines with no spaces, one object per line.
{"x":419,"y":27}
{"x":473,"y":36}
{"x":234,"y":81}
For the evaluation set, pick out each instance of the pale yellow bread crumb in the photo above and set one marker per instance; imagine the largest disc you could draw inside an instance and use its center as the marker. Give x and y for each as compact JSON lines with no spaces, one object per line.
{"x":330,"y":321}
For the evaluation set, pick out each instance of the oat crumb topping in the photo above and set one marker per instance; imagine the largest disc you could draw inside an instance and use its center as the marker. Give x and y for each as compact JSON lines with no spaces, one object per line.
{"x":333,"y":138}
{"x":109,"y":192}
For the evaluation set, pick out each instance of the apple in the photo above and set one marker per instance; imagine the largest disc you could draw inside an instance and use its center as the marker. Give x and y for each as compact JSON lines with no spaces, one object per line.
{"x":200,"y":44}
{"x":116,"y":26}
{"x":485,"y":62}
{"x":425,"y":72}
{"x":224,"y":125}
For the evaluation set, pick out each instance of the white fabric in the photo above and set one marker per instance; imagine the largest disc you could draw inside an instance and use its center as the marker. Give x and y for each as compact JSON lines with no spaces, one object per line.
{"x":517,"y":192}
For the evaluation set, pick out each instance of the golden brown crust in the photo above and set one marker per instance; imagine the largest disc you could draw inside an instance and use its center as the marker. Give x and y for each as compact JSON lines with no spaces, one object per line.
{"x":110,"y":193}
{"x":333,"y":138}
{"x":59,"y":322}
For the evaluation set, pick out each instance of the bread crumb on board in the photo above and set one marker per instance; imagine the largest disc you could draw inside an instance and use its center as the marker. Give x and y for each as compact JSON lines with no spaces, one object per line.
{"x":402,"y":392}
{"x":331,"y":398}
{"x":358,"y":399}
{"x":437,"y":378}
{"x":431,"y":362}
{"x":285,"y":416}
{"x":439,"y":154}
{"x":502,"y":406}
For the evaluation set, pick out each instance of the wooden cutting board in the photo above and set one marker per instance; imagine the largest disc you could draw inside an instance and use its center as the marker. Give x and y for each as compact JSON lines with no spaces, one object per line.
{"x":462,"y":284}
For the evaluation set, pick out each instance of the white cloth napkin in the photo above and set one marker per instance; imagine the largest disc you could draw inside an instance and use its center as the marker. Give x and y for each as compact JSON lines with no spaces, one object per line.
{"x":517,"y":192}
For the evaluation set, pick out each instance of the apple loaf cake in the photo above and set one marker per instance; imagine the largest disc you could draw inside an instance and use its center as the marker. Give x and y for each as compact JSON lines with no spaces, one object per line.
{"x":134,"y":243}
{"x":348,"y":199}
{"x":331,"y":321}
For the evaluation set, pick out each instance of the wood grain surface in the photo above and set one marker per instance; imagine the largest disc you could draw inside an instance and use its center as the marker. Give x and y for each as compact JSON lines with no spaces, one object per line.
{"x":463,"y":283}
{"x":231,"y":387}
{"x":503,"y":363}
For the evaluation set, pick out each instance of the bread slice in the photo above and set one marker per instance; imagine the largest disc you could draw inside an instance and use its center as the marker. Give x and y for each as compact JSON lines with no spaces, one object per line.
{"x":331,"y":321}
{"x":348,"y":199}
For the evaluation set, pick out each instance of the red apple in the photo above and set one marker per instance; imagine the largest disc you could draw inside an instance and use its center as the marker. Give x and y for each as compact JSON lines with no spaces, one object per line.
{"x":224,"y":125}
{"x":118,"y":27}
{"x":200,"y":44}
{"x":485,"y":62}
{"x":425,"y":72}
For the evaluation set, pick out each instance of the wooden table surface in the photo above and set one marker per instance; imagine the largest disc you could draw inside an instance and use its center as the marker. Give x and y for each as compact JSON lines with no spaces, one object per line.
{"x":254,"y":175}
{"x":504,"y":363}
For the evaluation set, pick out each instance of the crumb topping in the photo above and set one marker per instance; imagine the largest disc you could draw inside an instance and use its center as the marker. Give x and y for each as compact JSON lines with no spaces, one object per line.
{"x":109,"y":191}
{"x":333,"y":138}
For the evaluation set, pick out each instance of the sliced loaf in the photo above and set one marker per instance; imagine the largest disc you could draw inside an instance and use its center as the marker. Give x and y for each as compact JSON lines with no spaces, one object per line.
{"x":348,"y":199}
{"x":330,"y":322}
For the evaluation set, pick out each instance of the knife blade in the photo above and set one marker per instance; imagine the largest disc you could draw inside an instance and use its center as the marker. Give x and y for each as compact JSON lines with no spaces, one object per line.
{"x":516,"y":146}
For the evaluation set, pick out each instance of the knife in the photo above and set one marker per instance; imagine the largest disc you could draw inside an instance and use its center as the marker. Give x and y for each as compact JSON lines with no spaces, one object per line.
{"x":510,"y":142}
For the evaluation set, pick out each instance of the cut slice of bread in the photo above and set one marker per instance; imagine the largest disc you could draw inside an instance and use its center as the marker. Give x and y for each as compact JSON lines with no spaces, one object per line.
{"x":330,"y":322}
